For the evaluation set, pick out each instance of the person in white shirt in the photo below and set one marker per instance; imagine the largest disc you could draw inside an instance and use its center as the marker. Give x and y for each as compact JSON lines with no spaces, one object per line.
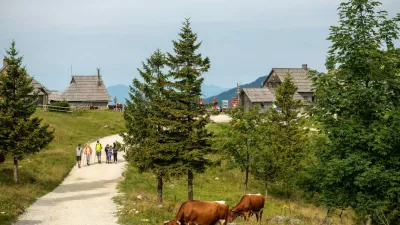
{"x":79,"y":155}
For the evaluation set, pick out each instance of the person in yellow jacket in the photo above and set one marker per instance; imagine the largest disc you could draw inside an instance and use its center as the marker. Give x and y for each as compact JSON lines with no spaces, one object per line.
{"x":88,"y":153}
{"x":98,"y":151}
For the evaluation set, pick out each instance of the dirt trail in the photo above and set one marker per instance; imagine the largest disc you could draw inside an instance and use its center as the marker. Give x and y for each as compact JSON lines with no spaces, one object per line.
{"x":84,"y":197}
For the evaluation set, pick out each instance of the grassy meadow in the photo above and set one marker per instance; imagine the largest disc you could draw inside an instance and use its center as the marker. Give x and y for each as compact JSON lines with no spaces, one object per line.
{"x":44,"y":171}
{"x":218,"y":183}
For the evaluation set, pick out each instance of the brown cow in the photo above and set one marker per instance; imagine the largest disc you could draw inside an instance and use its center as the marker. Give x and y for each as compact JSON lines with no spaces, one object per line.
{"x":119,"y":107}
{"x":201,"y":213}
{"x":249,"y":204}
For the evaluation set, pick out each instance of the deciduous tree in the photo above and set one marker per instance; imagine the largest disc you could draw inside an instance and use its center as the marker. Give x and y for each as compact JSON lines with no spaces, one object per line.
{"x":241,"y":140}
{"x":358,"y":106}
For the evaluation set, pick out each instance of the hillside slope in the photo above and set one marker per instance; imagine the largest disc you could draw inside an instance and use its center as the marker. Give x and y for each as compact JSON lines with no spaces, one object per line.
{"x":227,"y":95}
{"x":44,"y":171}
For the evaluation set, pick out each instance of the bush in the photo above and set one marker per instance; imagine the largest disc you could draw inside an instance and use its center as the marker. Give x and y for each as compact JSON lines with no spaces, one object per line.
{"x":59,"y":104}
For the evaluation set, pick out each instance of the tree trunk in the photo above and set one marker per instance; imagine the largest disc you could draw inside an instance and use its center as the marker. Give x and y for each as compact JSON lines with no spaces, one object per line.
{"x":266,"y":189}
{"x":15,"y":170}
{"x":159,"y":188}
{"x":246,"y":181}
{"x":190,"y":185}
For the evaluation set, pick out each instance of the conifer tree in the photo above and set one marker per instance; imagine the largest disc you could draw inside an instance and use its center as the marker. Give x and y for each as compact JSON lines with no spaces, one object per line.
{"x":20,"y":133}
{"x":150,"y":146}
{"x":286,"y":140}
{"x":190,"y":119}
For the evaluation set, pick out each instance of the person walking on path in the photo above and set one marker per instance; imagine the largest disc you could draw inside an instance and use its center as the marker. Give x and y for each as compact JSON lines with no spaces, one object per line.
{"x":115,"y":152}
{"x":88,"y":153}
{"x":106,"y":150}
{"x":110,"y":153}
{"x":98,"y":151}
{"x":79,"y":155}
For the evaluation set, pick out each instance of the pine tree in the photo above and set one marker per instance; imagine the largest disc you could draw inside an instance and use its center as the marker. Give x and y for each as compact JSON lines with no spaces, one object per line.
{"x":147,"y":118}
{"x":187,"y":67}
{"x":286,"y":140}
{"x":21,"y":133}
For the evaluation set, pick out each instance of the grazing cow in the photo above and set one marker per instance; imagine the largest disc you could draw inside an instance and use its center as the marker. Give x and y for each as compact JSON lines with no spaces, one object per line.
{"x":201,"y":213}
{"x":119,"y":107}
{"x":249,"y":204}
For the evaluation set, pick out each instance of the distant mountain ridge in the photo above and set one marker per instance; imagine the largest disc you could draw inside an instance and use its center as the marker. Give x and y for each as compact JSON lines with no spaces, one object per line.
{"x":227,"y":95}
{"x":211,"y":90}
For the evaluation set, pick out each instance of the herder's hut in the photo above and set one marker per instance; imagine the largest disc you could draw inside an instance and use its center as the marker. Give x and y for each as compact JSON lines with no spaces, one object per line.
{"x":43,"y":92}
{"x":86,"y":91}
{"x":265,"y":96}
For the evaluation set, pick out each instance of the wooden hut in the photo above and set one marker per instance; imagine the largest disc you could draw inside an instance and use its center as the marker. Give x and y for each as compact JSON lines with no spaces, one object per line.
{"x":86,"y":91}
{"x":42,"y":91}
{"x":265,"y":95}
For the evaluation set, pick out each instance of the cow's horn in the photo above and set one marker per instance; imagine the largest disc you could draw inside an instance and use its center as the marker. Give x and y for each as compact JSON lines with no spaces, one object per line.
{"x":166,"y":222}
{"x":178,"y":222}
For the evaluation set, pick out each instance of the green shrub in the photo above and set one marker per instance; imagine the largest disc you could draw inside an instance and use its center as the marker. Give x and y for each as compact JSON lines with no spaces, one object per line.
{"x":59,"y":104}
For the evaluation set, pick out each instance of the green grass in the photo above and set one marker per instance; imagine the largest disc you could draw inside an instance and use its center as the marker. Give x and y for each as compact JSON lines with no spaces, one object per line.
{"x":44,"y":171}
{"x":228,"y":187}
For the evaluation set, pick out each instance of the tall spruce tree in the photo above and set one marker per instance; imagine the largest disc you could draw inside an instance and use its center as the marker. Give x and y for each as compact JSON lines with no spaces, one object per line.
{"x":286,"y":140}
{"x":150,"y":142}
{"x":20,"y":132}
{"x":186,"y":71}
{"x":359,"y":108}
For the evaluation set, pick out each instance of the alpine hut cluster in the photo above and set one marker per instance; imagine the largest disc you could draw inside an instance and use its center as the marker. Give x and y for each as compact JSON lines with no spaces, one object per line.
{"x":265,"y":96}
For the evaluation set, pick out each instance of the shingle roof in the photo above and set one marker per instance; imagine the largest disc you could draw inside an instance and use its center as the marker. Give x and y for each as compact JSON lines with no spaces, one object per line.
{"x":296,"y":95}
{"x":86,"y":89}
{"x":39,"y":86}
{"x":35,"y":83}
{"x":259,"y":94}
{"x":54,"y":96}
{"x":300,"y":77}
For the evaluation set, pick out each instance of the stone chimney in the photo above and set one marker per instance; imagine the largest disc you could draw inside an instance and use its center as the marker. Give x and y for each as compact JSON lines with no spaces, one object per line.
{"x":304,"y":66}
{"x":4,"y":62}
{"x":98,"y":77}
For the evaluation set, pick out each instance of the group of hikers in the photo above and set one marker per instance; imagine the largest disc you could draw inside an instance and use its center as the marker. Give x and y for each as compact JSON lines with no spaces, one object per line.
{"x":110,"y":150}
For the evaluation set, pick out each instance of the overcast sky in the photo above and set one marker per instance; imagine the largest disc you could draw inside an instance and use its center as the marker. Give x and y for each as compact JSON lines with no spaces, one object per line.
{"x":244,"y":39}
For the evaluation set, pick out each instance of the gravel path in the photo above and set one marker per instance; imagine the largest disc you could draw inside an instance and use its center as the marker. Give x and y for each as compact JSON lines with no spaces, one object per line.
{"x":84,"y":197}
{"x":221,"y":118}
